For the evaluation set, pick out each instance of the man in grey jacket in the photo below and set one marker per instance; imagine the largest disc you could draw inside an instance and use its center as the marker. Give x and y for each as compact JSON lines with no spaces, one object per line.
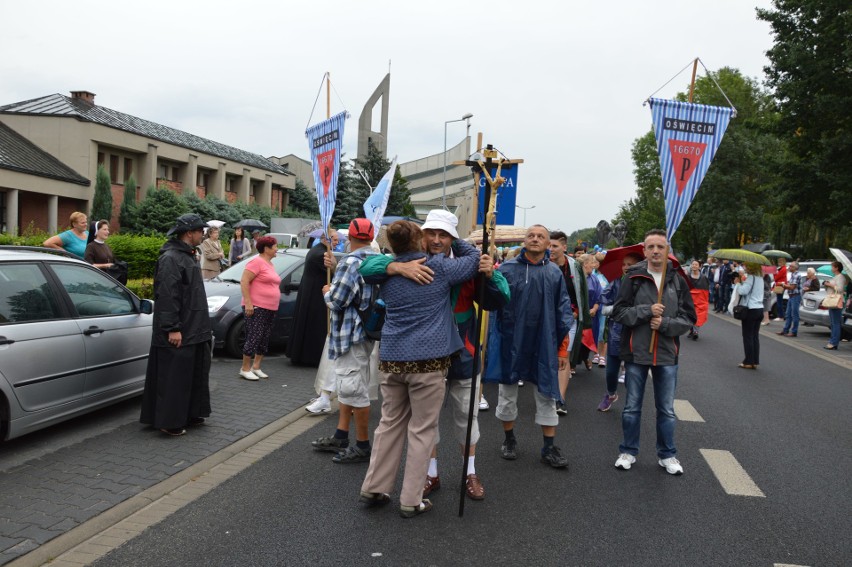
{"x":637,"y":308}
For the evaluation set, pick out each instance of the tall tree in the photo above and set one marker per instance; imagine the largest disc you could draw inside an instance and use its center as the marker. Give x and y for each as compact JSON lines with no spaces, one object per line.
{"x":102,"y":201}
{"x":375,"y":166}
{"x":303,"y":199}
{"x":810,"y":73}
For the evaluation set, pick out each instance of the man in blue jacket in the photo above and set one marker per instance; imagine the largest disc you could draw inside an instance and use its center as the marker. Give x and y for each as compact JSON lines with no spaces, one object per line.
{"x":529,"y":341}
{"x":643,"y":316}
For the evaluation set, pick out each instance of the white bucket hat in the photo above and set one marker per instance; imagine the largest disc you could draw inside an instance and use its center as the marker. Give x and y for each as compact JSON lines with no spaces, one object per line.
{"x":440,"y":219}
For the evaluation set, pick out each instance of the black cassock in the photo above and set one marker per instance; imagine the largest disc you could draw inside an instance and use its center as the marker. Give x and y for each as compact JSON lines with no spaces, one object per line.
{"x":310,"y":321}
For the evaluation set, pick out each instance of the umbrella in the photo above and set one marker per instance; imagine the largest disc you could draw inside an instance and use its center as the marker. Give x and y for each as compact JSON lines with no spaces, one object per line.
{"x":216,"y":223}
{"x":825,"y":270}
{"x":776,"y":254}
{"x":250,"y":225}
{"x":844,"y":257}
{"x":611,"y":265}
{"x":739,"y":255}
{"x":310,"y":227}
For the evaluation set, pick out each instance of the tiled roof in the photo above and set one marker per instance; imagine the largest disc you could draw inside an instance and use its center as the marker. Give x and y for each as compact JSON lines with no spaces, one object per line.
{"x":19,"y":154}
{"x":61,"y":105}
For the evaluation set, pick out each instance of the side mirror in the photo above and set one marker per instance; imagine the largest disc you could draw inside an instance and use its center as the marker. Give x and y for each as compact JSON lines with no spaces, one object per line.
{"x":146,"y":306}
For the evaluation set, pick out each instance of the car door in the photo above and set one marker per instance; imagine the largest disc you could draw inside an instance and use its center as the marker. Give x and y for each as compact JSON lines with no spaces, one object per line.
{"x":116,"y":337}
{"x":287,"y":306}
{"x":42,"y":357}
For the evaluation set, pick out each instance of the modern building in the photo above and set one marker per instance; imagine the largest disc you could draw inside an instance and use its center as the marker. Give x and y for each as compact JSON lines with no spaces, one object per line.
{"x":51,"y":147}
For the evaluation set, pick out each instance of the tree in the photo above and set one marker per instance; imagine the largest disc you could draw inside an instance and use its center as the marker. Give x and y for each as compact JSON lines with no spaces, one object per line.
{"x":375,"y":166}
{"x":303,"y":199}
{"x":127,"y":215}
{"x":102,"y":202}
{"x":156,"y":214}
{"x":810,"y":73}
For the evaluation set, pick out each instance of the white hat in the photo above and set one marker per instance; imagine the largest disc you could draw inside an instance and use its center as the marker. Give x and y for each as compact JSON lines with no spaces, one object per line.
{"x":440,"y":219}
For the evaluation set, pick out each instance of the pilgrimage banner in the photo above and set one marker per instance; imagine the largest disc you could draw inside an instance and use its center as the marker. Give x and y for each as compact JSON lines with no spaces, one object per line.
{"x":326,"y":141}
{"x":506,"y":195}
{"x":377,"y":203}
{"x":688,"y":136}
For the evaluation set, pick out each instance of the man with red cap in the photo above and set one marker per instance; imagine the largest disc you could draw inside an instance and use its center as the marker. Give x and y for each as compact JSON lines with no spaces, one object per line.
{"x":349,"y":348}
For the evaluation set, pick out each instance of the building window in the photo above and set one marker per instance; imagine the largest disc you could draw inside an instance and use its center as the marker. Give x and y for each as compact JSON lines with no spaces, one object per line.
{"x":128,"y":168}
{"x":203,"y":179}
{"x":101,"y":158}
{"x":113,"y":168}
{"x":164,"y":171}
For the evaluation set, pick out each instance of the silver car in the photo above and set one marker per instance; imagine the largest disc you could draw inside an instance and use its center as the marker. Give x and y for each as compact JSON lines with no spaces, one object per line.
{"x":72,"y":340}
{"x":810,"y":310}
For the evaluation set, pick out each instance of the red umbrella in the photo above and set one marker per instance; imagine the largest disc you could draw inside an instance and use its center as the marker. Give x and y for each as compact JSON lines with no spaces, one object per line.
{"x":611,"y":265}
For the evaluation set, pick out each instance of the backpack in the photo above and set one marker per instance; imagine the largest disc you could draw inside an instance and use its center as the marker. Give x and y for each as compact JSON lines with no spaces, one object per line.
{"x":373,"y":316}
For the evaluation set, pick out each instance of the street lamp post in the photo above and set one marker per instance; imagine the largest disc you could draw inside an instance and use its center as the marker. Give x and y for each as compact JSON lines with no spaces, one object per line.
{"x":467,"y":117}
{"x":525,"y":212}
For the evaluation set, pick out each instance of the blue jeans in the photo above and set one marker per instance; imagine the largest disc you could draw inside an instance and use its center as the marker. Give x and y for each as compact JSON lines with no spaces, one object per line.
{"x":665,"y":382}
{"x":835,"y":316}
{"x":613,"y":365}
{"x":791,"y":317}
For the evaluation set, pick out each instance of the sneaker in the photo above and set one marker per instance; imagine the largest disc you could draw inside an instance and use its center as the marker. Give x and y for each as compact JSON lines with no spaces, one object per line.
{"x":694,"y":336}
{"x":330,"y":444}
{"x":596,"y":359}
{"x":621,"y":378}
{"x":520,"y":383}
{"x":248,"y":375}
{"x":553,"y":456}
{"x":560,"y":409}
{"x":411,"y":511}
{"x":509,"y":448}
{"x":602,"y":362}
{"x":483,"y":404}
{"x":259,"y":373}
{"x":625,"y":461}
{"x":319,"y":405}
{"x":352,"y":454}
{"x":607,"y":401}
{"x":672,"y":465}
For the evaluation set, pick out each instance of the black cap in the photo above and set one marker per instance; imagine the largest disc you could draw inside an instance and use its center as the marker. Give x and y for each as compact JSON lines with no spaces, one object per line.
{"x":187,"y":222}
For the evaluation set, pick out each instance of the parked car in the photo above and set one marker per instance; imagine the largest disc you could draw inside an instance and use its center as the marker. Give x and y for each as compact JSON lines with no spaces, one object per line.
{"x":812,"y":312}
{"x":285,"y":239}
{"x":72,"y":339}
{"x":224,"y":301}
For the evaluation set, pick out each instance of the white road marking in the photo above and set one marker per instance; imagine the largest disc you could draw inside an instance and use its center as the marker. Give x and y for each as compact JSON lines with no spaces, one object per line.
{"x":787,"y":565}
{"x":685,"y":412}
{"x":730,"y":474}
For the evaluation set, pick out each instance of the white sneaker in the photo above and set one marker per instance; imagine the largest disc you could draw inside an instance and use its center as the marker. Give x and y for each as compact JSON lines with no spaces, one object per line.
{"x":672,"y":465}
{"x":248,"y":375}
{"x":320,"y":405}
{"x":621,"y":378}
{"x":483,"y":404}
{"x":625,"y":461}
{"x":259,"y":373}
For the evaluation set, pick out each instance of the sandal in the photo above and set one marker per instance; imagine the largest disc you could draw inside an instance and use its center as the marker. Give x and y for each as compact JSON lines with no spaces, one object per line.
{"x":374,"y":498}
{"x":411,"y":511}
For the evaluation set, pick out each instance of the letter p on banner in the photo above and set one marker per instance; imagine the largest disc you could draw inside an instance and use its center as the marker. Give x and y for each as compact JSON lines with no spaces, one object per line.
{"x":688,"y":136}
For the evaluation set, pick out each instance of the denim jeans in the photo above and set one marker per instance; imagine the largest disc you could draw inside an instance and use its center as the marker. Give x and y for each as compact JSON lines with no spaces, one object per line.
{"x":613,"y":365}
{"x":665,"y":382}
{"x":791,"y":318}
{"x":835,"y":316}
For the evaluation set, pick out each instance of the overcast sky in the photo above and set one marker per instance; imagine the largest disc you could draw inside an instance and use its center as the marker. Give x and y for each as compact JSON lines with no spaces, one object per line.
{"x":559,"y":84}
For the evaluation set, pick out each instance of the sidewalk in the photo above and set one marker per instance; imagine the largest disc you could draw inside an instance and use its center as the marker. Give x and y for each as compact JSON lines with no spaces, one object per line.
{"x":46,"y":497}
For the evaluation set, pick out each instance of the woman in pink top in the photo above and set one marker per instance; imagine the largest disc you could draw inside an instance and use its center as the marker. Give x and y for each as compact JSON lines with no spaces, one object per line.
{"x":260,"y":285}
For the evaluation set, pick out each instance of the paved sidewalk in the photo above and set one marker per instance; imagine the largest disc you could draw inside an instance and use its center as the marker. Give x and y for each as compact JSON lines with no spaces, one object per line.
{"x":46,"y":497}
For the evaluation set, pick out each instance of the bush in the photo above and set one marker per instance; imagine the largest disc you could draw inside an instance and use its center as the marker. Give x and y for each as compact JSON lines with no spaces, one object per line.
{"x":140,"y":253}
{"x":143,"y":288}
{"x":156,"y":214}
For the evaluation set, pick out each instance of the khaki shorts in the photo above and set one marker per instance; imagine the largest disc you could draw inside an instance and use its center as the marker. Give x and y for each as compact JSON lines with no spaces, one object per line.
{"x":352,"y":375}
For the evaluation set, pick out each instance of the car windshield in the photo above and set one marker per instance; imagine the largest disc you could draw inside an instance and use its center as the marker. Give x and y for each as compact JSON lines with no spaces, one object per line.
{"x":282,"y":262}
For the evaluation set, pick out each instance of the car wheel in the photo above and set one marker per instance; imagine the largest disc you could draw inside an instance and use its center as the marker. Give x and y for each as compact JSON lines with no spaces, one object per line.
{"x":235,"y":339}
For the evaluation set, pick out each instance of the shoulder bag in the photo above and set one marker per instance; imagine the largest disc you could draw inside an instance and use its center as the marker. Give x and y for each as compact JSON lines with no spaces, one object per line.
{"x":832,"y":301}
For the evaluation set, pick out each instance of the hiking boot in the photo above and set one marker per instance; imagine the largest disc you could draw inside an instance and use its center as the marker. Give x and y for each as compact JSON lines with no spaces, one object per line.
{"x":509,"y":449}
{"x":553,"y":456}
{"x":330,"y":444}
{"x":352,"y":454}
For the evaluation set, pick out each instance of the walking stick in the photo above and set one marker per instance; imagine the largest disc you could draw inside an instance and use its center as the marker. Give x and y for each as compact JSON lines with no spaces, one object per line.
{"x":488,"y":224}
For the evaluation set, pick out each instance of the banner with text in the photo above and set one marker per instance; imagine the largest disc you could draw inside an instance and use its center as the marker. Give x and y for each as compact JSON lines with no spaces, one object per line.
{"x":506,"y":195}
{"x":326,"y":141}
{"x":688,"y":136}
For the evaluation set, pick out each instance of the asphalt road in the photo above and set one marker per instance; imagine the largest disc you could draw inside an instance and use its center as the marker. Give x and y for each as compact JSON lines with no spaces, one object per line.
{"x":787,"y":426}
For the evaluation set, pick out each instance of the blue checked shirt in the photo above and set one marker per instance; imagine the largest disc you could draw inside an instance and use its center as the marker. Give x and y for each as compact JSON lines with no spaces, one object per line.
{"x":796,"y":280}
{"x":348,"y":294}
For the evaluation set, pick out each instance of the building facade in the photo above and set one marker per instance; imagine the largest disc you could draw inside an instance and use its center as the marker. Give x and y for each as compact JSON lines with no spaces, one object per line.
{"x":52,"y":146}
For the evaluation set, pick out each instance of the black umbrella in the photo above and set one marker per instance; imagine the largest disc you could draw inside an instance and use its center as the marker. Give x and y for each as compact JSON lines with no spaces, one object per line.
{"x":250,"y":225}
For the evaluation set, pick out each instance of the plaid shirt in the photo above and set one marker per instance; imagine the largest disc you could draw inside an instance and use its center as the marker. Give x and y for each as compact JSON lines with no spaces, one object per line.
{"x":348,"y":294}
{"x":796,"y":280}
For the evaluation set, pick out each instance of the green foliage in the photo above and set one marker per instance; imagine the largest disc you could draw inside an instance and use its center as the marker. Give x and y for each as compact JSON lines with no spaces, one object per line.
{"x":156,"y":214}
{"x":30,"y":236}
{"x":352,"y":191}
{"x":375,"y":166}
{"x":303,"y":201}
{"x":102,"y":201}
{"x":143,"y":288}
{"x":140,"y":253}
{"x":127,"y":215}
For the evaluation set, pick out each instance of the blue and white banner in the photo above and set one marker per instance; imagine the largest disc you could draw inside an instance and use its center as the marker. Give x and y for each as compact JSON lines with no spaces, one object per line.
{"x":377,"y":203}
{"x":326,"y":141}
{"x":688,"y":136}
